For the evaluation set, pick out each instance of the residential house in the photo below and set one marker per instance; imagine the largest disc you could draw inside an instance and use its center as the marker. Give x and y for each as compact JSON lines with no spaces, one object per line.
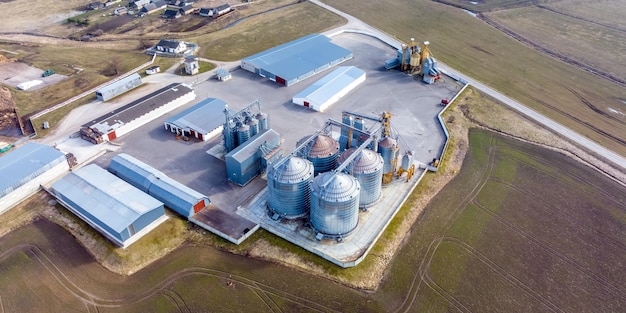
{"x":171,"y":46}
{"x":223,"y":9}
{"x":188,"y":9}
{"x":139,"y":4}
{"x":154,"y":6}
{"x":120,"y":11}
{"x":206,"y":12}
{"x":171,"y":13}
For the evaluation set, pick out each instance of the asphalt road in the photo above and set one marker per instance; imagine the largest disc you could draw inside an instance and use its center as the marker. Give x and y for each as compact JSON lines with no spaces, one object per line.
{"x":356,"y":25}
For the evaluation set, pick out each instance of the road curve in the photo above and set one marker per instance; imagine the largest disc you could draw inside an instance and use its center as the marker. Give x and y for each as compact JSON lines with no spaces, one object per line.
{"x":356,"y":25}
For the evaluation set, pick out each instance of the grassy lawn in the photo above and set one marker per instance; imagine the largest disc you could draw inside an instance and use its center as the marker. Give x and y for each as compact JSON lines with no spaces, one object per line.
{"x":65,"y":61}
{"x":536,"y":80}
{"x":259,"y":33}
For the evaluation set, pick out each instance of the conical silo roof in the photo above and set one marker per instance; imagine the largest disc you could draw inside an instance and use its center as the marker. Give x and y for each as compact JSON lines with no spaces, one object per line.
{"x":339,"y":187}
{"x":387,"y":142}
{"x":323,"y":146}
{"x":293,"y":170}
{"x":367,"y":162}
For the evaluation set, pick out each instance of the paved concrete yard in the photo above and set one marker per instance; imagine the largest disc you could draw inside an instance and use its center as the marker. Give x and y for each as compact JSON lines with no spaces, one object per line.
{"x":414,"y":106}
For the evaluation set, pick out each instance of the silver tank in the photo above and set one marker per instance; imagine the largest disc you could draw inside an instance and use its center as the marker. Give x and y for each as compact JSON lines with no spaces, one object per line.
{"x":387,"y":149}
{"x":243,"y":134}
{"x":335,"y":207}
{"x":288,"y":187}
{"x":322,"y":152}
{"x":367,"y":168}
{"x":254,"y":126}
{"x":263,"y":121}
{"x":407,"y":160}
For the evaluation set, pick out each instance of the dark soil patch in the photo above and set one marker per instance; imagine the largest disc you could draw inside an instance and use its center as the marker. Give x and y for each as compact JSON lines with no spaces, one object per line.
{"x":110,"y":25}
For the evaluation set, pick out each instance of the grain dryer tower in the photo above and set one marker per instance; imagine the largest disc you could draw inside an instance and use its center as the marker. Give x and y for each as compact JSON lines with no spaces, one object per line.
{"x":288,"y":183}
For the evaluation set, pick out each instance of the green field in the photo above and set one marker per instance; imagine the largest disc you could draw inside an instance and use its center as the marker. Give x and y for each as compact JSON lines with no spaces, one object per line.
{"x":477,"y":49}
{"x":521,"y":228}
{"x":600,"y":47}
{"x":489,"y":5}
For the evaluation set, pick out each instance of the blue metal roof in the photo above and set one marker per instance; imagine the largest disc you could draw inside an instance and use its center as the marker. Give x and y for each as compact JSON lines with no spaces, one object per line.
{"x":202,"y":117}
{"x":299,"y":57}
{"x":21,"y":165}
{"x":250,"y":147}
{"x":175,"y":195}
{"x":328,"y":86}
{"x":110,"y":200}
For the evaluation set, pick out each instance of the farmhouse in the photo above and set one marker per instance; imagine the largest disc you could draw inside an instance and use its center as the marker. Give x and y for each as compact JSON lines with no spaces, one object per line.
{"x":153,"y":6}
{"x":176,"y":196}
{"x":138,"y":4}
{"x":171,"y":46}
{"x":121,"y":212}
{"x":187,"y":9}
{"x":203,"y":120}
{"x":25,"y":169}
{"x":171,"y":13}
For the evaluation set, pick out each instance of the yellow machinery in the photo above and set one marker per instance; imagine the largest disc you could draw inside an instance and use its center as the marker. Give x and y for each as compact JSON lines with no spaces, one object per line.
{"x":409,"y":172}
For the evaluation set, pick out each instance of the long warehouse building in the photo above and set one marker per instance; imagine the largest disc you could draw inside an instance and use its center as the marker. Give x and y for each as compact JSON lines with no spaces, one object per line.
{"x":297,"y":60}
{"x":330,"y":88}
{"x":137,"y":113}
{"x":115,"y":208}
{"x":25,"y":169}
{"x":176,"y":196}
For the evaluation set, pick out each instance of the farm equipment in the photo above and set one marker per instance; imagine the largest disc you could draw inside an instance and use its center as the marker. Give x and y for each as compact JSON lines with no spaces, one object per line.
{"x":47,"y":73}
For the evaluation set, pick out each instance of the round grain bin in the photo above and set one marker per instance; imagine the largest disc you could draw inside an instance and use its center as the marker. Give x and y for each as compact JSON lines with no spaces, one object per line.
{"x":254,"y":126}
{"x":407,"y":160}
{"x":387,"y":147}
{"x":367,"y":168}
{"x":263,"y":121}
{"x":288,"y":186}
{"x":243,"y":134}
{"x":334,"y":203}
{"x":322,"y":151}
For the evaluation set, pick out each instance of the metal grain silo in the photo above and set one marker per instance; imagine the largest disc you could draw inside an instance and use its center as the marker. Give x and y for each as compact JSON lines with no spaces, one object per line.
{"x":335,"y":203}
{"x":388,"y":149}
{"x":254,"y":126}
{"x":407,"y":160}
{"x":322,"y":151}
{"x":367,"y":167}
{"x":243,"y":134}
{"x":263,"y":121}
{"x":288,"y":186}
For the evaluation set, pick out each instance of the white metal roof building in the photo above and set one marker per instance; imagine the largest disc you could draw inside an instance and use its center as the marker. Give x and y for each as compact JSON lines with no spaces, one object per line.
{"x":330,"y":88}
{"x":119,"y":87}
{"x":176,"y":196}
{"x":294,"y":61}
{"x":119,"y":211}
{"x":24,"y":170}
{"x":137,"y":113}
{"x":203,"y":120}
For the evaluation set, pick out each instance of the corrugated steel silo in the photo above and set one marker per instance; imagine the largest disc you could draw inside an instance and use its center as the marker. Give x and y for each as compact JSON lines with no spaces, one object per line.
{"x":335,"y":203}
{"x":367,"y":167}
{"x":359,"y":123}
{"x":288,"y":186}
{"x":254,"y":126}
{"x":263,"y":121}
{"x":407,"y":160}
{"x":388,"y":149}
{"x":322,"y":151}
{"x":243,"y":134}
